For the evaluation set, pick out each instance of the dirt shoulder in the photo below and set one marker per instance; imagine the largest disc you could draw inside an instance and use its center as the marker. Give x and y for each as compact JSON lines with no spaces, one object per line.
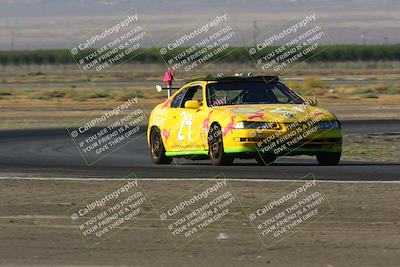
{"x":386,"y":107}
{"x":363,"y":230}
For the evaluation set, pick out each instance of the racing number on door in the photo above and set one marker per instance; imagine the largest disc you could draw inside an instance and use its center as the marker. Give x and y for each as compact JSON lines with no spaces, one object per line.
{"x":187,"y":120}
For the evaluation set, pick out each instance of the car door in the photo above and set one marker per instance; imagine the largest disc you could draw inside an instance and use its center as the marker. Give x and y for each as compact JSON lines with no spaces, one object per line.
{"x":170,"y":130}
{"x":185,"y":130}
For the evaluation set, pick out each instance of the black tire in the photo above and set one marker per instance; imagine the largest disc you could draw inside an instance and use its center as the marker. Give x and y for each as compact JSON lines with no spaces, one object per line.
{"x":265,"y":159}
{"x":216,"y":147}
{"x":157,"y":149}
{"x":328,"y":158}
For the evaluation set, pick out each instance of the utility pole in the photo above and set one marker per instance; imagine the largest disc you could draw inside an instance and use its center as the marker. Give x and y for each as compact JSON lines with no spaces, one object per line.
{"x":255,"y":33}
{"x":364,"y":38}
{"x":14,"y":24}
{"x":386,"y":40}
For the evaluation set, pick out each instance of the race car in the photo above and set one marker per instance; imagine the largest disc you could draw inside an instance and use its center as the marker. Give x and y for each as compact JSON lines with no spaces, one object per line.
{"x":247,"y":117}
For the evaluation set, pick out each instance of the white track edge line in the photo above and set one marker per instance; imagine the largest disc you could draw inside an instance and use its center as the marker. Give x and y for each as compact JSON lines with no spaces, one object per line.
{"x":194,"y":179}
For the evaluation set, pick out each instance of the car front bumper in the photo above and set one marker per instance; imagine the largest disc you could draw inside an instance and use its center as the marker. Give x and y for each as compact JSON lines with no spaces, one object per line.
{"x":279,"y":143}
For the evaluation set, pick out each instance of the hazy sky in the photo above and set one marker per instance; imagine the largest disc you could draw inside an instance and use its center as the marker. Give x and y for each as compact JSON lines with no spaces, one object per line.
{"x":46,"y":24}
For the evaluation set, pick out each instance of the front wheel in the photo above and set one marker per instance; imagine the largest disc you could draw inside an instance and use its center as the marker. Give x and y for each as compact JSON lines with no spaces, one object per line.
{"x":328,"y":158}
{"x":157,"y":150}
{"x":216,"y":147}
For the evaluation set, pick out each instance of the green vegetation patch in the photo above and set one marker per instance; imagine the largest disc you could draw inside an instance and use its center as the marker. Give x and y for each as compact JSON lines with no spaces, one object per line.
{"x":332,"y":53}
{"x":47,"y":94}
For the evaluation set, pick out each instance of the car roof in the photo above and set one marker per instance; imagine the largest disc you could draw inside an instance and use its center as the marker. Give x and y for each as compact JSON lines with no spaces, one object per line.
{"x":211,"y":78}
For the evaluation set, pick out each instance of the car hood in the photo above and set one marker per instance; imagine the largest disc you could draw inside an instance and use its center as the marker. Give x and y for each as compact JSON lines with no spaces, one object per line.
{"x":286,"y":113}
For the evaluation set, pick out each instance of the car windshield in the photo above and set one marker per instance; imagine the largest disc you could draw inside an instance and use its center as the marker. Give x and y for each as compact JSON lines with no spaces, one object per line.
{"x":240,"y":93}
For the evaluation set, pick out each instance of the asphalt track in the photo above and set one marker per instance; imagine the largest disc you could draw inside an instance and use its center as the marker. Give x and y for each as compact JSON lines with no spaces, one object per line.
{"x":51,"y":153}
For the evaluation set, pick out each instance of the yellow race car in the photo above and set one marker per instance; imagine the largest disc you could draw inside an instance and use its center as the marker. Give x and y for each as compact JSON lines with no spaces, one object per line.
{"x":223,"y":118}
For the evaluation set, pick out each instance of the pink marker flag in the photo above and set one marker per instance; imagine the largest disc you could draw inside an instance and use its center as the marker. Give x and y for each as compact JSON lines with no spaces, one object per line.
{"x":168,"y":76}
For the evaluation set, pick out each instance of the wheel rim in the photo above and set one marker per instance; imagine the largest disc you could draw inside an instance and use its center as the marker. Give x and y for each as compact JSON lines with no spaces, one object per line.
{"x":216,"y":146}
{"x":156,"y":145}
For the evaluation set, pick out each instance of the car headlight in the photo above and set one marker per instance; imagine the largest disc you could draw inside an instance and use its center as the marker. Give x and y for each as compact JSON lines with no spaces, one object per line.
{"x":239,"y":125}
{"x":256,"y":125}
{"x":329,"y":125}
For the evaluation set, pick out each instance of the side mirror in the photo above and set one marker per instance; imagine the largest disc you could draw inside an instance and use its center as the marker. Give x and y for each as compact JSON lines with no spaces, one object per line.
{"x":193,"y":104}
{"x":312,"y":101}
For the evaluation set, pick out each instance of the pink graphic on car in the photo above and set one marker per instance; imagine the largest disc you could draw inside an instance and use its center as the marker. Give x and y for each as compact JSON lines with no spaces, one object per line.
{"x":166,"y":134}
{"x":229,"y":128}
{"x":257,"y":115}
{"x":207,"y":120}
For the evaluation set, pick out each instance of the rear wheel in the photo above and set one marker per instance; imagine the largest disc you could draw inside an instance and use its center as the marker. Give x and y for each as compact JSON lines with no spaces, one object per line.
{"x":265,"y":159}
{"x":216,"y":147}
{"x":328,"y":158}
{"x":157,"y":150}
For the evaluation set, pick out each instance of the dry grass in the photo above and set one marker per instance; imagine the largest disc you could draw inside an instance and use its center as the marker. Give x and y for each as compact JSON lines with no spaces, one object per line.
{"x":77,"y":94}
{"x":25,"y":104}
{"x":71,"y":73}
{"x":381,"y":148}
{"x":313,"y":85}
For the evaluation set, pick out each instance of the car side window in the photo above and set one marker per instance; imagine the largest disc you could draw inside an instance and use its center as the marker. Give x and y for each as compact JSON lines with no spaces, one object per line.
{"x":176,"y":103}
{"x":193,"y":93}
{"x":280,"y":96}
